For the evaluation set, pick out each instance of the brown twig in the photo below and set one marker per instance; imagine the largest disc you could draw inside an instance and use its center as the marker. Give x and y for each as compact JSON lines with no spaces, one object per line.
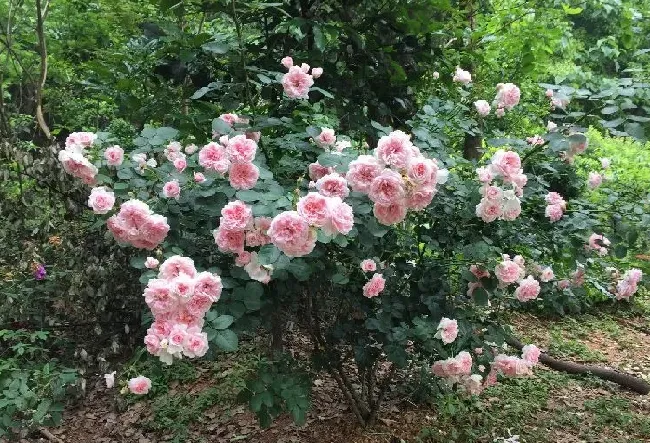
{"x":51,"y":437}
{"x":625,"y":380}
{"x":42,"y":49}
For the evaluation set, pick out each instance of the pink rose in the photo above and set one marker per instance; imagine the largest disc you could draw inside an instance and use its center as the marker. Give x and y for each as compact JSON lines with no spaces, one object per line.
{"x":180,"y":164}
{"x":549,"y":93}
{"x":199,"y":177}
{"x":172,"y":189}
{"x":114,"y":155}
{"x":241,"y":149}
{"x":230,"y":119}
{"x":208,"y":284}
{"x":80,"y":139}
{"x":151,"y":263}
{"x":462,"y":76}
{"x":296,"y":83}
{"x":482,"y":107}
{"x":214,"y":158}
{"x":389,"y":214}
{"x":374,"y":286}
{"x":191,"y":149}
{"x":387,"y":188}
{"x":554,"y":212}
{"x":326,"y":137}
{"x":183,"y":286}
{"x":287,"y":62}
{"x":173,"y":151}
{"x":500,"y":112}
{"x":291,"y":234}
{"x":546,"y":275}
{"x":553,"y":198}
{"x":419,"y":198}
{"x":531,"y":354}
{"x":229,"y":240}
{"x":511,"y":366}
{"x":256,"y":271}
{"x":395,"y":149}
{"x":243,"y":175}
{"x":508,"y":271}
{"x":317,"y":72}
{"x":595,"y":180}
{"x":422,"y":171}
{"x":159,"y":296}
{"x":479,"y":273}
{"x":195,"y":345}
{"x":361,"y":173}
{"x":447,"y":330}
{"x":236,"y":216}
{"x":313,"y":208}
{"x":75,"y":164}
{"x":340,"y":218}
{"x":528,"y":289}
{"x":333,"y":185}
{"x":489,"y":210}
{"x":506,"y":163}
{"x":563,"y":284}
{"x":368,"y":265}
{"x":175,"y":266}
{"x":101,"y":200}
{"x":484,"y":175}
{"x":139,"y":385}
{"x":243,"y":258}
{"x":508,"y":95}
{"x":316,"y":171}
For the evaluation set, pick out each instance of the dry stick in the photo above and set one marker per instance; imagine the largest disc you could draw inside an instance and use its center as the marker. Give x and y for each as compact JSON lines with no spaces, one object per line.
{"x":626,"y":380}
{"x":51,"y":437}
{"x":42,"y":49}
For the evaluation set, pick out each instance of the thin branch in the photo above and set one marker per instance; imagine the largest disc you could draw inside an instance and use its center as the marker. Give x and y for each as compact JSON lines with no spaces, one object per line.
{"x":42,"y":49}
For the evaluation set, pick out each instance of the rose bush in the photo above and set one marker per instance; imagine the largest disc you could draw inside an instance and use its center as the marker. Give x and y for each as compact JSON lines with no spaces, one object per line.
{"x":398,"y":255}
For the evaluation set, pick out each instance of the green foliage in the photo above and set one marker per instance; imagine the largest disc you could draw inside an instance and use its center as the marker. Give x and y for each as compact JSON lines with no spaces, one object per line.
{"x":34,"y":385}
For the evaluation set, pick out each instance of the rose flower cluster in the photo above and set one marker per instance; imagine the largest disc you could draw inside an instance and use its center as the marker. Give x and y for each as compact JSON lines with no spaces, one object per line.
{"x":497,"y":203}
{"x":234,"y":156}
{"x":397,"y":178}
{"x":137,"y":225}
{"x":178,"y":299}
{"x":72,"y":157}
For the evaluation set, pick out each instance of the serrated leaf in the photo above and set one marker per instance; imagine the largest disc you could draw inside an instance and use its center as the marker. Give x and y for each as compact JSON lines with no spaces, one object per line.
{"x":223,"y":322}
{"x":226,"y":340}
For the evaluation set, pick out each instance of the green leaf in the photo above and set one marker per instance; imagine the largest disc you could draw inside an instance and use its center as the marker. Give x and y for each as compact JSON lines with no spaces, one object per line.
{"x":609,"y":110}
{"x":216,"y":47}
{"x":340,"y":279}
{"x":620,"y":251}
{"x":226,"y":340}
{"x":571,"y":11}
{"x":635,"y":130}
{"x":480,"y":296}
{"x":137,"y":262}
{"x":221,"y":126}
{"x":223,"y":322}
{"x":42,"y":409}
{"x":319,"y":39}
{"x":268,"y":254}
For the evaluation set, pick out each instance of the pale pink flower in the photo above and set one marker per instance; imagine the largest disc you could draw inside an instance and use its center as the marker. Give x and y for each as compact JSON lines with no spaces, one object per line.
{"x":559,"y":102}
{"x":511,"y":209}
{"x":479,"y":272}
{"x":139,"y":385}
{"x":137,"y":225}
{"x":172,"y":189}
{"x":374,"y":286}
{"x":313,"y":207}
{"x":595,"y":180}
{"x":506,"y":163}
{"x":419,"y":198}
{"x":422,"y":171}
{"x":287,"y":62}
{"x":208,"y":284}
{"x":195,"y":345}
{"x":213,"y":157}
{"x":531,"y":354}
{"x":291,"y":234}
{"x":634,"y":275}
{"x":326,"y":137}
{"x":241,"y":149}
{"x":317,"y":72}
{"x":236,"y":216}
{"x":243,"y":175}
{"x":368,"y":265}
{"x":229,"y":240}
{"x":484,"y":175}
{"x":554,"y":212}
{"x":395,"y":149}
{"x":304,"y":67}
{"x":199,"y":177}
{"x":508,"y":271}
{"x":462,"y":76}
{"x":436,"y":75}
{"x":390,"y":214}
{"x":151,"y":263}
{"x":508,"y":95}
{"x":551,"y":127}
{"x":625,"y":289}
{"x":549,"y":93}
{"x":447,"y":330}
{"x":605,"y":163}
{"x":500,"y":112}
{"x":553,"y":198}
{"x":482,"y":107}
{"x":257,"y":272}
{"x":175,"y":266}
{"x":296,"y":83}
{"x":191,"y":149}
{"x":114,"y":155}
{"x":535,"y":140}
{"x":563,"y":284}
{"x":180,"y":164}
{"x":75,"y":164}
{"x":340,"y":218}
{"x":317,"y":171}
{"x":492,"y":192}
{"x":511,"y":366}
{"x":528,"y":289}
{"x":159,"y":296}
{"x":173,"y":151}
{"x":489,"y":210}
{"x":546,"y":275}
{"x":387,"y":188}
{"x":243,"y":258}
{"x":333,"y":185}
{"x":341,"y":145}
{"x":361,"y":173}
{"x":230,"y":119}
{"x":454,"y":366}
{"x":478,"y":351}
{"x":101,"y":200}
{"x":183,"y":286}
{"x":473,"y":384}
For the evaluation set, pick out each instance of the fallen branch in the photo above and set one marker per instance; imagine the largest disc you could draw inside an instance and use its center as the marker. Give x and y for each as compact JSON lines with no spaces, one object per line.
{"x":628,"y":381}
{"x":51,"y":437}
